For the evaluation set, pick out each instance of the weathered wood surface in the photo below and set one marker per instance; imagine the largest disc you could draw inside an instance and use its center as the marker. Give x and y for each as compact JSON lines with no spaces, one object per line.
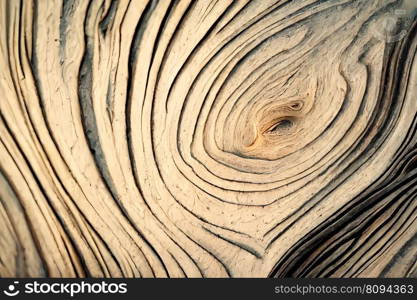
{"x":208,"y":138}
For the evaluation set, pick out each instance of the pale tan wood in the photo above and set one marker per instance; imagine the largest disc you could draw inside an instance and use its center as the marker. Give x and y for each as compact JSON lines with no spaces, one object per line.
{"x":208,"y":138}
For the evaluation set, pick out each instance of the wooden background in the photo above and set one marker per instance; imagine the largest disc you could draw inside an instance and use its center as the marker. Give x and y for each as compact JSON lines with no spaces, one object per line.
{"x":208,"y":138}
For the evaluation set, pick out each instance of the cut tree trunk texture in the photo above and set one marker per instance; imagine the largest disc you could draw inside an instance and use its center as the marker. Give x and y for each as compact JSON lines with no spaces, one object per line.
{"x":208,"y":138}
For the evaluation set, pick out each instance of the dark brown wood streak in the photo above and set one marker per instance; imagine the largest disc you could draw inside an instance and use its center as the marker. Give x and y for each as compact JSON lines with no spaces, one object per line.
{"x":225,"y":138}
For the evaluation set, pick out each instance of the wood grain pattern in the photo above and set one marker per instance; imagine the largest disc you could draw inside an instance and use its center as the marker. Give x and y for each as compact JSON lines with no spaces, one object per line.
{"x":208,"y":138}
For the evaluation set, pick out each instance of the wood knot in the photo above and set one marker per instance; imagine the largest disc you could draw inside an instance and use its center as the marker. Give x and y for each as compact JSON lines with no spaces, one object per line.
{"x":280,"y":126}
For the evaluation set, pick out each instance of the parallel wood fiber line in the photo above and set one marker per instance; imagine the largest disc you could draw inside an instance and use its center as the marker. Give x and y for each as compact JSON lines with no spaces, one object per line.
{"x":185,"y":138}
